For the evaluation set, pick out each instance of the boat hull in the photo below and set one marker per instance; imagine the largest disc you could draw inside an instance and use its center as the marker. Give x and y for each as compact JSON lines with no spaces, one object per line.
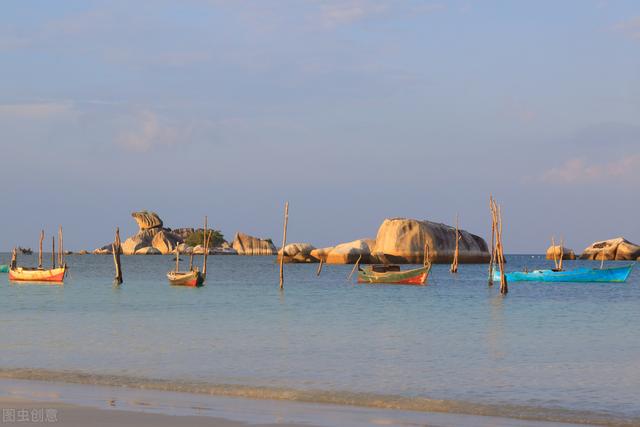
{"x":416,"y":276}
{"x":53,"y":275}
{"x":191,"y":278}
{"x":578,"y":275}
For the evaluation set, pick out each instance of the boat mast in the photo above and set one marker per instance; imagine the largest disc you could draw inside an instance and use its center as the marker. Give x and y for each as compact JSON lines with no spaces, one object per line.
{"x":40,"y":249}
{"x":177,"y":259}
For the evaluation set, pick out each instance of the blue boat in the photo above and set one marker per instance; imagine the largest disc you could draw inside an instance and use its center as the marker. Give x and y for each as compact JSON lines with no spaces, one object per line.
{"x":615,"y":274}
{"x":4,"y":268}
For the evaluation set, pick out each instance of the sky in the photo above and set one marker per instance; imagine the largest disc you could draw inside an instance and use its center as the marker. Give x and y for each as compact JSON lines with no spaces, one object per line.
{"x":352,"y":110}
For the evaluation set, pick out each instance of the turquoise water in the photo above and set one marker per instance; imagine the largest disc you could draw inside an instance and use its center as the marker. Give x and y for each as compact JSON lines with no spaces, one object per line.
{"x":548,"y":351}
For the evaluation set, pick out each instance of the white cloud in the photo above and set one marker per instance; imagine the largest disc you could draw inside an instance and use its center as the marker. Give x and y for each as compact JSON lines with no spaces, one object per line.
{"x":347,"y":11}
{"x":630,"y":27}
{"x":40,"y":110}
{"x":577,"y":170}
{"x":148,"y":132}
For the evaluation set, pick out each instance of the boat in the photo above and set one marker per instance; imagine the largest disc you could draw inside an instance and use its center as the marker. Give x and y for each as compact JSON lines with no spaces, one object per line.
{"x":4,"y":268}
{"x":392,"y":274}
{"x":192,"y":278}
{"x":39,"y":274}
{"x":24,"y":274}
{"x":578,"y":275}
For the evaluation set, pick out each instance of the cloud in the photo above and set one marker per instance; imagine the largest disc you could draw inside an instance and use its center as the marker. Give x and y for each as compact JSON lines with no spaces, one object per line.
{"x":42,"y":110}
{"x":578,"y":170}
{"x":347,"y":11}
{"x":150,"y":131}
{"x":630,"y":27}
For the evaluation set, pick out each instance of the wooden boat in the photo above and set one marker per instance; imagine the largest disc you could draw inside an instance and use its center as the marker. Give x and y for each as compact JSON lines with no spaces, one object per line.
{"x":193,"y":277}
{"x":185,"y":278}
{"x":4,"y":268}
{"x":579,"y":275}
{"x":24,"y":274}
{"x":391,"y":274}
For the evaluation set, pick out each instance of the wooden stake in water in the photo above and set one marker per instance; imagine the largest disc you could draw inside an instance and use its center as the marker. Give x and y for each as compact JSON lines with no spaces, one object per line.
{"x":205,"y":237}
{"x":116,"y":248}
{"x":356,"y":265}
{"x":320,"y":267}
{"x":284,"y":243}
{"x":456,"y":253}
{"x":493,"y":241}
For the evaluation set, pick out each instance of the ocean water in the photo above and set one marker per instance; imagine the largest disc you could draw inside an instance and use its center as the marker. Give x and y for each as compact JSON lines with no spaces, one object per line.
{"x":562,"y":352}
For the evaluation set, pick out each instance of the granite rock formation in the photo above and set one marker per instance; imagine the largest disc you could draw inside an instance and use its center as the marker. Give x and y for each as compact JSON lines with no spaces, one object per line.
{"x":402,"y":240}
{"x":249,"y":245}
{"x":298,"y":252}
{"x":566,"y":253}
{"x":619,"y":249}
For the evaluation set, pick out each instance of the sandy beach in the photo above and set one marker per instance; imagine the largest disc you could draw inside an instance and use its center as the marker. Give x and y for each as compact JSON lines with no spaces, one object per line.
{"x":37,"y":403}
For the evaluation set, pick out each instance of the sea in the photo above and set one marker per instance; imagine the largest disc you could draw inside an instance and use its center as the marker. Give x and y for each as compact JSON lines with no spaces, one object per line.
{"x":556,"y":352}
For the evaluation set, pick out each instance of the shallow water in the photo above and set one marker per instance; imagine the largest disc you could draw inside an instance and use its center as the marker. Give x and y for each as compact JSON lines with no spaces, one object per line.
{"x":553,"y":351}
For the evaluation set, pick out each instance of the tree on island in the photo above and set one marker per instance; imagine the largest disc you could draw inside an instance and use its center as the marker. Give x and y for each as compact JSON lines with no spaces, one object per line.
{"x":197,"y":238}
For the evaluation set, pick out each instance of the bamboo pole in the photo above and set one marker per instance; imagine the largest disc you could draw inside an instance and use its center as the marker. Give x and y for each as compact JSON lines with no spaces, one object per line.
{"x":191,"y":261}
{"x":493,"y":241}
{"x":177,"y":259}
{"x":561,"y":254}
{"x":60,"y":245}
{"x":40,"y":249}
{"x":426,"y":259}
{"x":116,"y":248}
{"x":205,"y":238}
{"x":553,"y":246}
{"x":14,"y":258}
{"x":320,"y":267}
{"x":504,"y":289}
{"x":53,"y":252}
{"x":355,"y":266}
{"x":284,"y":243}
{"x":454,"y":263}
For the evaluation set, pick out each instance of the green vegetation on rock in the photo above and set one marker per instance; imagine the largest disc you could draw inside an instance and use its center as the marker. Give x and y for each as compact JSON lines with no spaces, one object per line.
{"x":197,"y":238}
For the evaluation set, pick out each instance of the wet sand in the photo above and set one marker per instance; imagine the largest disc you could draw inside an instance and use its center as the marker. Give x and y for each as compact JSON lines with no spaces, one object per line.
{"x":97,"y":406}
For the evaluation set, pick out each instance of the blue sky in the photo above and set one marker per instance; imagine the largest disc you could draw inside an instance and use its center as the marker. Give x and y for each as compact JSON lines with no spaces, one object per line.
{"x":353,"y":110}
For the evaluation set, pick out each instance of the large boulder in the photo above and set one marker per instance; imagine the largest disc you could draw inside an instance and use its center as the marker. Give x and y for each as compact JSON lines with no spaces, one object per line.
{"x":104,"y":250}
{"x":402,"y":240}
{"x":297,"y":252}
{"x":349,"y":253}
{"x":147,"y":220}
{"x":136,"y":242}
{"x":321,"y":253}
{"x":149,"y":250}
{"x":559,"y":250}
{"x":165,"y":242}
{"x":613,"y":249}
{"x":249,"y":245}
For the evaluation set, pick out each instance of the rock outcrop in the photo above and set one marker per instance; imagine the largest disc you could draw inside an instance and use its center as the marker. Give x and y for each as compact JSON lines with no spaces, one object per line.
{"x":566,"y":252}
{"x":149,"y":250}
{"x":165,"y":242}
{"x":298,"y":252}
{"x":349,"y":253}
{"x":104,"y":250}
{"x":619,"y":249}
{"x":249,"y":245}
{"x":147,"y":220}
{"x":401,"y":240}
{"x":135,"y":242}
